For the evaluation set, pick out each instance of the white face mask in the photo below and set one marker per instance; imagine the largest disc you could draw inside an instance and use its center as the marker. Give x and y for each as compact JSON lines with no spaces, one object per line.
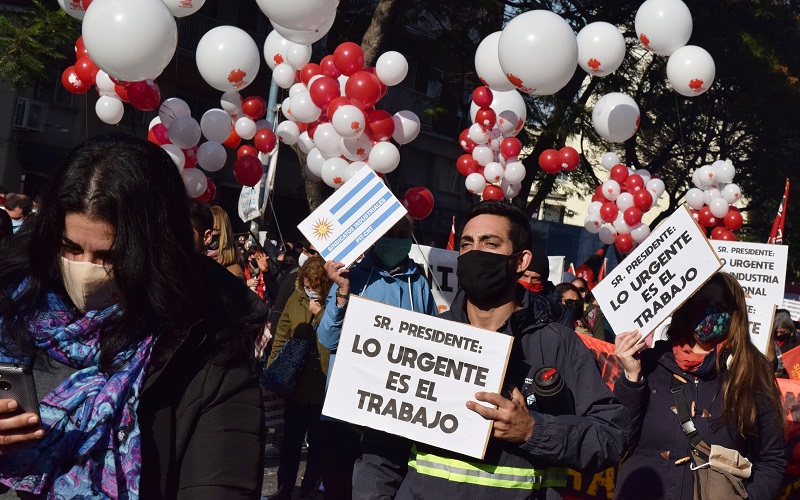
{"x":302,"y":259}
{"x":311,"y":294}
{"x":90,"y":286}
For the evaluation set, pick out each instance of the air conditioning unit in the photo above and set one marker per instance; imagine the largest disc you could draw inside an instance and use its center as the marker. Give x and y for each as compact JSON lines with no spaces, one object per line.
{"x":30,"y":115}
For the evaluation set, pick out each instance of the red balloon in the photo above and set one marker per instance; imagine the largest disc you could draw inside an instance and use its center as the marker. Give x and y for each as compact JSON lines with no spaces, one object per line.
{"x":246,"y":149}
{"x":80,"y":49}
{"x":380,"y":125}
{"x":465,"y":142}
{"x":619,"y":173}
{"x":509,"y":148}
{"x":158,"y":135}
{"x":384,"y":88}
{"x":309,"y":71}
{"x":419,"y":202}
{"x":705,"y":217}
{"x":329,"y":67}
{"x":348,"y":58}
{"x":492,"y":192}
{"x":265,"y":140}
{"x":569,"y":158}
{"x":733,"y":220}
{"x":599,"y":197}
{"x":337,"y":103}
{"x":190,"y":155}
{"x":482,"y":97}
{"x":486,"y":118}
{"x":144,"y":96}
{"x":632,"y":216}
{"x":254,"y":107}
{"x":549,"y":161}
{"x":209,"y":195}
{"x":86,"y":69}
{"x":643,"y":199}
{"x":323,"y":91}
{"x":363,"y":89}
{"x":721,"y":233}
{"x":73,"y":83}
{"x":634,"y":183}
{"x":609,"y":211}
{"x":233,"y":140}
{"x":466,"y":165}
{"x":122,"y":92}
{"x":248,"y":170}
{"x":624,"y":243}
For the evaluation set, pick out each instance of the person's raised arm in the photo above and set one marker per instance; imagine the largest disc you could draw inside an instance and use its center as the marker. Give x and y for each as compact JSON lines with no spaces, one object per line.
{"x":330,"y":326}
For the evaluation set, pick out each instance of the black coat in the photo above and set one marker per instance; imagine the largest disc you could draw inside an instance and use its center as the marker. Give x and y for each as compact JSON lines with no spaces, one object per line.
{"x":650,"y":470}
{"x":202,"y":420}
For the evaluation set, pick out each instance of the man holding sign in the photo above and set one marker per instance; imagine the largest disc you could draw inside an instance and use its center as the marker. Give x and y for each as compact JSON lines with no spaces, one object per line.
{"x":529,"y":449}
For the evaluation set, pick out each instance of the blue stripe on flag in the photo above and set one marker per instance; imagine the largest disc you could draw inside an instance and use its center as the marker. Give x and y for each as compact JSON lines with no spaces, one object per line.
{"x":361,"y":203}
{"x":358,"y":188}
{"x":377,"y":222}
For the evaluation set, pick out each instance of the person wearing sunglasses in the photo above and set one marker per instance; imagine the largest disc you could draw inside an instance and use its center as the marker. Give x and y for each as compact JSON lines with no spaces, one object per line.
{"x":572,"y":304}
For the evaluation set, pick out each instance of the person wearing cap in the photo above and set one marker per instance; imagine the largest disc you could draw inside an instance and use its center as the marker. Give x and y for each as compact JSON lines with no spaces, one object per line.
{"x":535,"y":279}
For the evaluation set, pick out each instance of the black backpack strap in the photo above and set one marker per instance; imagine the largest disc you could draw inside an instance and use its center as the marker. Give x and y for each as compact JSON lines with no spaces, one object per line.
{"x":685,"y":418}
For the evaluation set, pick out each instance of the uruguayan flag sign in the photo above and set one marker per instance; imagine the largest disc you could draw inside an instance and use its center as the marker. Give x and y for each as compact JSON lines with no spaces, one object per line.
{"x":353,"y":218}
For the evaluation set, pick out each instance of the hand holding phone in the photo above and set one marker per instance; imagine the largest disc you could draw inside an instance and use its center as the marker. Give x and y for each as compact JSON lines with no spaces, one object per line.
{"x":19,"y":408}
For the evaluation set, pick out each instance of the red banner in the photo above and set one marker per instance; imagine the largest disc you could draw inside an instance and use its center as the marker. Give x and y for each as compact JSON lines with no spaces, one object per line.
{"x":776,"y":235}
{"x":791,"y":361}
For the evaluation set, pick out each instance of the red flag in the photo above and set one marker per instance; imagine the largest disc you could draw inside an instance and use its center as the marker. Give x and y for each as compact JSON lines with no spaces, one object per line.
{"x":602,"y":273}
{"x":451,"y":241}
{"x":776,"y":235}
{"x":571,"y":269}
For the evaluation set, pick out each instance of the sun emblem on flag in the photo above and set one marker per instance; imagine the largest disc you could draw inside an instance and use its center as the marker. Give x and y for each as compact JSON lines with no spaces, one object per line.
{"x":322,"y":229}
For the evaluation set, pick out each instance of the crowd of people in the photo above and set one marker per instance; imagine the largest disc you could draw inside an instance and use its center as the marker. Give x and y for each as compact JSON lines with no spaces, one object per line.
{"x":150,"y":327}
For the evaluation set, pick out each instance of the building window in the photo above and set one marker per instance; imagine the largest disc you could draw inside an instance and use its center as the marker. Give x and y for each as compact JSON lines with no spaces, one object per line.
{"x":552,"y":213}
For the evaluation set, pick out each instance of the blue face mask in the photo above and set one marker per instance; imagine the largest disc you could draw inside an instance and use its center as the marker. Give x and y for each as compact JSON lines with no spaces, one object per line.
{"x":713,"y":326}
{"x":392,"y":251}
{"x":311,"y":294}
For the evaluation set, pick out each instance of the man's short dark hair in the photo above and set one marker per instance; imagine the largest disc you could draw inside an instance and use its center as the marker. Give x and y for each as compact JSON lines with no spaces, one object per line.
{"x":201,"y":217}
{"x":21,"y":201}
{"x":519,"y":227}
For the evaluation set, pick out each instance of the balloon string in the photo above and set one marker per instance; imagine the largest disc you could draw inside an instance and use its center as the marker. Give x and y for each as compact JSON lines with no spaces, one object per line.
{"x":275,"y":216}
{"x":680,"y":131}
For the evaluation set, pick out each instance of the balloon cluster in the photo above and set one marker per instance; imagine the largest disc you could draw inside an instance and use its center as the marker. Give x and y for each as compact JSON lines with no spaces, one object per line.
{"x":617,"y":207}
{"x":490,"y":163}
{"x":553,"y":161}
{"x":330,"y":112}
{"x":712,"y":200}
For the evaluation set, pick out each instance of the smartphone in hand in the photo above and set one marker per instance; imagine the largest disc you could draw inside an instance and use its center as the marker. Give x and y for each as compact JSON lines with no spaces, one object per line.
{"x":16,"y":382}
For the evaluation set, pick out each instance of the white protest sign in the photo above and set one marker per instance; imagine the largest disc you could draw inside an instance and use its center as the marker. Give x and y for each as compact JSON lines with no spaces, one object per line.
{"x":758,"y":267}
{"x":273,"y":408}
{"x":353,"y":218}
{"x":793,"y":307}
{"x":556,"y":268}
{"x":409,"y":374}
{"x":760,"y":313}
{"x":658,"y":276}
{"x":248,"y":202}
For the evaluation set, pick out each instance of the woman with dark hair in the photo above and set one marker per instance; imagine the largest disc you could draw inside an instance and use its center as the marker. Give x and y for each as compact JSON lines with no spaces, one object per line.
{"x":303,"y":408}
{"x":709,"y":371}
{"x":140,"y":346}
{"x":572,"y":305}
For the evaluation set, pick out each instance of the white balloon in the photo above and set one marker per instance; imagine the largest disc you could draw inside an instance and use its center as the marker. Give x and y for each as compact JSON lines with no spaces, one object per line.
{"x":176,"y":153}
{"x":391,"y":68}
{"x":718,"y":207}
{"x":507,"y":122}
{"x":706,"y":175}
{"x":624,"y":201}
{"x":607,"y":234}
{"x":594,"y":208}
{"x":487,"y":64}
{"x":297,"y":88}
{"x":306,"y":36}
{"x":262,"y":124}
{"x":348,"y":121}
{"x":216,"y":125}
{"x":731,"y":193}
{"x":298,"y":55}
{"x":195,"y":181}
{"x":710,"y":195}
{"x":644,"y":174}
{"x":184,"y":132}
{"x":104,"y":84}
{"x":493,"y":172}
{"x":276,"y":49}
{"x":510,"y":189}
{"x":227,"y":58}
{"x":691,"y":70}
{"x":656,"y":187}
{"x":283,"y":74}
{"x":478,"y":134}
{"x":305,"y":143}
{"x":384,"y":157}
{"x":211,"y":156}
{"x":288,"y":132}
{"x":231,"y":102}
{"x":286,"y":109}
{"x":515,"y":172}
{"x":311,"y":175}
{"x":475,"y":183}
{"x":356,"y":148}
{"x":601,"y":48}
{"x":615,"y":117}
{"x":610,"y":159}
{"x":611,"y":189}
{"x":132,"y":40}
{"x":723,"y":171}
{"x":592,"y":223}
{"x":483,"y":155}
{"x":327,"y":140}
{"x":72,"y":7}
{"x":155,"y":121}
{"x":171,"y":109}
{"x":183,"y":8}
{"x":303,"y":108}
{"x":333,"y":171}
{"x":109,"y":109}
{"x":663,"y":26}
{"x":315,"y":161}
{"x":245,"y":128}
{"x":298,"y":14}
{"x":640,"y":232}
{"x":352,"y":170}
{"x":620,"y":226}
{"x":538,"y":52}
{"x":406,"y":127}
{"x":495,"y":139}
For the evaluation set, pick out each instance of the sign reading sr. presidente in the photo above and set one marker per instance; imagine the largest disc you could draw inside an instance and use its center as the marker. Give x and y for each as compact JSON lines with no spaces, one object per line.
{"x":410,"y":374}
{"x":759,"y":268}
{"x":658,"y":276}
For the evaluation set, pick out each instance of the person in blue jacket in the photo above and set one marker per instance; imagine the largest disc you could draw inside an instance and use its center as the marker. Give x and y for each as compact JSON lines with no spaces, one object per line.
{"x":386,"y":274}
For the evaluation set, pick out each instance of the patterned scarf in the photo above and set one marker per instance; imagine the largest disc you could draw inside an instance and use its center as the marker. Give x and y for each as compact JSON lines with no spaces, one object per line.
{"x":92,"y":442}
